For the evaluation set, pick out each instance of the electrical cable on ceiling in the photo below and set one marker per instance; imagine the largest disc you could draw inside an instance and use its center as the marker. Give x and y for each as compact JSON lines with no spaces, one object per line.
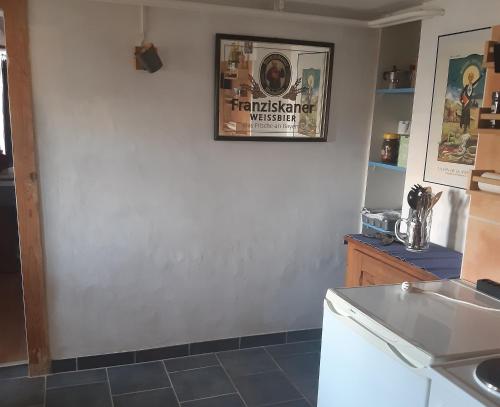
{"x":141,"y":24}
{"x":279,"y":5}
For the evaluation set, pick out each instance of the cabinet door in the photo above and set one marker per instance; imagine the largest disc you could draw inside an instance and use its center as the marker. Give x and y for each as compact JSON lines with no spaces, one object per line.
{"x":376,"y":272}
{"x":355,"y":372}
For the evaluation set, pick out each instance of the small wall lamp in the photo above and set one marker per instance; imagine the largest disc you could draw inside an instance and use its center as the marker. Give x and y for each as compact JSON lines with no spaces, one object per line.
{"x":146,"y":55}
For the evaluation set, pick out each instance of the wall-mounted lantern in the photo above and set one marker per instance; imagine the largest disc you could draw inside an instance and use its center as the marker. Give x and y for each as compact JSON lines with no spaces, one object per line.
{"x":146,"y":54}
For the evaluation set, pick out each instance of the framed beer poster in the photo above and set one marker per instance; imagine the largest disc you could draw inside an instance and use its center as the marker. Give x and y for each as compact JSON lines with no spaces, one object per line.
{"x":270,"y":89}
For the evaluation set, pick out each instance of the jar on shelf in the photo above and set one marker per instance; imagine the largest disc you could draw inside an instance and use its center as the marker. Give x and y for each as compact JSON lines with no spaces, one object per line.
{"x":390,"y":147}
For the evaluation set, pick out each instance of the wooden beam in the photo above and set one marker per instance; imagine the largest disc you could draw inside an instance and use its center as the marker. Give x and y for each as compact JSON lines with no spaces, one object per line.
{"x":26,"y":183}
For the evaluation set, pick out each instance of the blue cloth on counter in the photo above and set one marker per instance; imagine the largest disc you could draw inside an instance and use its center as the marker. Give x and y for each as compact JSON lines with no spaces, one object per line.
{"x":444,"y":263}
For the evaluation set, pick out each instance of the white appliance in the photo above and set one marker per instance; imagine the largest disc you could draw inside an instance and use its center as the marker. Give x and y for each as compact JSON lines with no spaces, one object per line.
{"x":456,"y":384}
{"x":380,"y":344}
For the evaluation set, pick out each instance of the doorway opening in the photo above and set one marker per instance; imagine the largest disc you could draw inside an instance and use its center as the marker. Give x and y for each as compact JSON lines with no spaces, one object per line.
{"x":31,"y":257}
{"x":13,"y":347}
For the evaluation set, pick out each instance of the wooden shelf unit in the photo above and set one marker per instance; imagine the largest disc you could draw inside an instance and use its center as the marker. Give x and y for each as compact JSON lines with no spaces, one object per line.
{"x":481,"y":256}
{"x":476,"y":177}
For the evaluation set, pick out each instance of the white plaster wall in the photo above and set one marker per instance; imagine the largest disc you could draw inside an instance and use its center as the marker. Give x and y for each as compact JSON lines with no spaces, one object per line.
{"x":154,"y":233}
{"x":450,"y":214}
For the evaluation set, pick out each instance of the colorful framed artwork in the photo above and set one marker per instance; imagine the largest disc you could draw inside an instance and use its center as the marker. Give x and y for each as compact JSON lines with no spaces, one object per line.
{"x":457,"y":96}
{"x":270,"y":89}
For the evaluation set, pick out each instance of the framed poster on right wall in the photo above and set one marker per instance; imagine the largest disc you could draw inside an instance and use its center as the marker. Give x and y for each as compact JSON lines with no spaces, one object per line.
{"x":457,"y":96}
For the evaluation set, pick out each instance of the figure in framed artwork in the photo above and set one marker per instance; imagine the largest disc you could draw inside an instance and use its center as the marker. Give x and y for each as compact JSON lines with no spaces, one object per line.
{"x":274,"y":76}
{"x":464,"y":95}
{"x":467,"y":99}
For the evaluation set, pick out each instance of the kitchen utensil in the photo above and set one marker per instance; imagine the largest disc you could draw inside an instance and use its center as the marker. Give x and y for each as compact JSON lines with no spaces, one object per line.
{"x":436,"y":198}
{"x":418,"y":223}
{"x":413,"y":195}
{"x":495,"y":108}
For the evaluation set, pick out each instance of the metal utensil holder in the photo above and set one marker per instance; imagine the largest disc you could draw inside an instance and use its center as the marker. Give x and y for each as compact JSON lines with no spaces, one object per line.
{"x":418,"y":230}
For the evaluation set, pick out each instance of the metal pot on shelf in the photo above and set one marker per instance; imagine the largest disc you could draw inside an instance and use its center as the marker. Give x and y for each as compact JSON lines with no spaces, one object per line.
{"x":397,"y":78}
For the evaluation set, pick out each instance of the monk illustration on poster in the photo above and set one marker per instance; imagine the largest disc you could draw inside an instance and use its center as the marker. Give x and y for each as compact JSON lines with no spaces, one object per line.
{"x":464,"y":96}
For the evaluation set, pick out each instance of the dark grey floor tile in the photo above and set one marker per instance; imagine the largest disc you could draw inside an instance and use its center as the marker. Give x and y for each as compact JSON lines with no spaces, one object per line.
{"x":76,"y":378}
{"x":304,"y":335}
{"x":294,"y":403}
{"x":265,"y":388}
{"x":150,"y":398}
{"x":85,"y":395}
{"x":214,"y":346}
{"x":63,"y":365}
{"x":9,"y":372}
{"x":300,"y":367}
{"x":262,"y":340}
{"x":231,"y":400}
{"x":246,"y":362}
{"x":191,"y":362}
{"x":133,"y":378}
{"x":112,"y":359}
{"x":310,"y":390}
{"x":303,"y":371}
{"x":161,"y":353}
{"x":294,"y":348}
{"x":22,"y":392}
{"x":200,"y":383}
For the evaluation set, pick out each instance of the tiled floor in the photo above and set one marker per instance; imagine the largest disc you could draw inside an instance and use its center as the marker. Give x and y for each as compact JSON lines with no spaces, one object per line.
{"x":273,"y":376}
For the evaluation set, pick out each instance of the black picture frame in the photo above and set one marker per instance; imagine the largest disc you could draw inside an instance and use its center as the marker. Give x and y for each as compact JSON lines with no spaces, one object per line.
{"x":325,"y":113}
{"x":425,"y":176}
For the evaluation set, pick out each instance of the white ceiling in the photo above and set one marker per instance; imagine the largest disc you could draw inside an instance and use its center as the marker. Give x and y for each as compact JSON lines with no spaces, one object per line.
{"x":356,"y":9}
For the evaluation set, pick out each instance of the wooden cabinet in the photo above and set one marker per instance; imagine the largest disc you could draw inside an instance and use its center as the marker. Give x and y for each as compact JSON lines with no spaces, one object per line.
{"x":482,"y":257}
{"x":368,"y":266}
